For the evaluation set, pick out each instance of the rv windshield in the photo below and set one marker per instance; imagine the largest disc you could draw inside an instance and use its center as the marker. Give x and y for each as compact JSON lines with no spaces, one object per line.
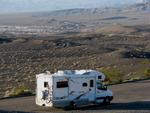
{"x":100,"y":86}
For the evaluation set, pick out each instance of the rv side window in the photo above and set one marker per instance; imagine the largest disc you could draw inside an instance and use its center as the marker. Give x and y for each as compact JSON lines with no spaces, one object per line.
{"x":45,"y":84}
{"x":62,"y":84}
{"x":99,"y":77}
{"x":84,"y":84}
{"x":91,"y":83}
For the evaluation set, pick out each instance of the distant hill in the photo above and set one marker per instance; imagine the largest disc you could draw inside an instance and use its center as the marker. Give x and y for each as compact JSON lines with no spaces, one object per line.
{"x":143,"y":6}
{"x":9,"y":6}
{"x":138,"y":6}
{"x":75,"y":20}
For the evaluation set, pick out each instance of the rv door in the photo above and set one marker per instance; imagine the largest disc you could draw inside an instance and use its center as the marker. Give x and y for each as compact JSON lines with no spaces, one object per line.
{"x":92,"y":89}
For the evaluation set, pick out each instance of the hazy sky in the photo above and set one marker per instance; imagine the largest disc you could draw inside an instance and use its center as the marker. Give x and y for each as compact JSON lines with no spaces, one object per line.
{"x":49,"y":5}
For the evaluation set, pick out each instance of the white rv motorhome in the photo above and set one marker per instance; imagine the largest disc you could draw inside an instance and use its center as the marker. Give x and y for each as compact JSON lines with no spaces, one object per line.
{"x":71,"y":88}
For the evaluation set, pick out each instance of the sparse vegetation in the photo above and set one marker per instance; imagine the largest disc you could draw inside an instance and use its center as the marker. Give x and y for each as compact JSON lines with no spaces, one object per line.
{"x":145,"y":61}
{"x":113,"y":75}
{"x":147,"y":72}
{"x":20,"y":91}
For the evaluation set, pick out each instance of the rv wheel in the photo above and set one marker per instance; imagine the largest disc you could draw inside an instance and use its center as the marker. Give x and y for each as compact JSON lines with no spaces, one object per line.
{"x":106,"y":101}
{"x":72,"y":105}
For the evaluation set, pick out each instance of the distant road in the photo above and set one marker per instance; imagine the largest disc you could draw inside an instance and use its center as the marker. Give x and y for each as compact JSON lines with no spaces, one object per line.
{"x":129,"y":98}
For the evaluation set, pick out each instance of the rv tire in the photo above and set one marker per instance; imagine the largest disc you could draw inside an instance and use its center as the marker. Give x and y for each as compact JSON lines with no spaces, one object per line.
{"x":72,"y":105}
{"x":106,"y":101}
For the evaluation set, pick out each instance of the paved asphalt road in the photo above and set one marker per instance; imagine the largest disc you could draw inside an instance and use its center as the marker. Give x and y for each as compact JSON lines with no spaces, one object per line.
{"x":129,"y":98}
